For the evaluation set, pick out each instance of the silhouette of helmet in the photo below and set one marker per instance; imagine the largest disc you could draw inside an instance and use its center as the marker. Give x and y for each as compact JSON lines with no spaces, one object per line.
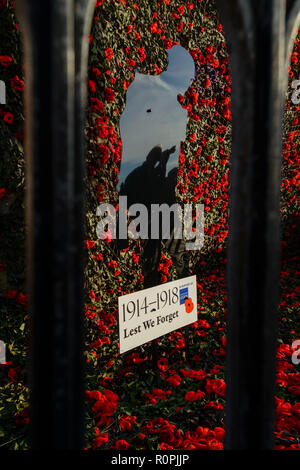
{"x":154,"y":155}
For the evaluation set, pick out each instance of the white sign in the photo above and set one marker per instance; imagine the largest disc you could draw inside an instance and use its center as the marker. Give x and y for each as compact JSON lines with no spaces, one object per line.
{"x":154,"y":312}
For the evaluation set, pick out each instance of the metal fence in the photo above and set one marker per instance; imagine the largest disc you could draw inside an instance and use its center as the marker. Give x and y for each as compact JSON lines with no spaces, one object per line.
{"x":259,"y":34}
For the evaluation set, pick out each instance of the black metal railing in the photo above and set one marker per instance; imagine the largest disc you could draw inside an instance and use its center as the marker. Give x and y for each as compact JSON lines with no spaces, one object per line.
{"x":259,"y":34}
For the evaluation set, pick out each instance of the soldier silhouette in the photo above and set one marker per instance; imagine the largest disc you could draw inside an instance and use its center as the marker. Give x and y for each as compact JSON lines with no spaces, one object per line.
{"x":153,"y":116}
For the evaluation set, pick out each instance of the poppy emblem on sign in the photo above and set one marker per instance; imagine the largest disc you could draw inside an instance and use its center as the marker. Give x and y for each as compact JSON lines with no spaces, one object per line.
{"x":189,"y":306}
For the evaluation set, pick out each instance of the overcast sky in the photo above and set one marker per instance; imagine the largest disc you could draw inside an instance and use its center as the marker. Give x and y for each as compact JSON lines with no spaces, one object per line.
{"x":165,"y":125}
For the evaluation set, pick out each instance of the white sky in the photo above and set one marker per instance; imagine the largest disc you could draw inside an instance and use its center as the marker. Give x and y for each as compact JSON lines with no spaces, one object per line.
{"x":165,"y":125}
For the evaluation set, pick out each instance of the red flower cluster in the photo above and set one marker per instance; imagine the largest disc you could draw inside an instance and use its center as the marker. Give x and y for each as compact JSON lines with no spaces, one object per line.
{"x":105,"y":404}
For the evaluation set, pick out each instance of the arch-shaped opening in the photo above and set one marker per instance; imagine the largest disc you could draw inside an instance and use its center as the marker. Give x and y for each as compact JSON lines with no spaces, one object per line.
{"x":152,"y":113}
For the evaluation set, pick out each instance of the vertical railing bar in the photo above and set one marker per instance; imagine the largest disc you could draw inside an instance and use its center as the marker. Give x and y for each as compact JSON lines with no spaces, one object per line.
{"x":55,"y":221}
{"x":254,"y":235}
